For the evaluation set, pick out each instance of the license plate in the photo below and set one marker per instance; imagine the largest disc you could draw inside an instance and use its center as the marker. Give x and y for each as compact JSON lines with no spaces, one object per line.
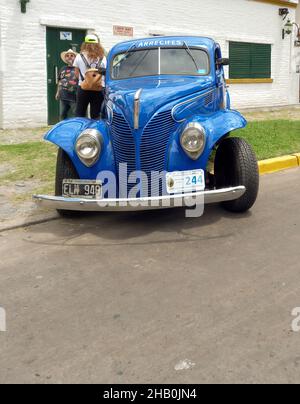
{"x":185,"y":181}
{"x":82,"y":188}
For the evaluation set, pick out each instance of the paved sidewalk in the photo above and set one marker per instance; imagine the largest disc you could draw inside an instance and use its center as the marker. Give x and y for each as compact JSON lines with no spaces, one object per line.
{"x":275,"y":113}
{"x":22,"y":135}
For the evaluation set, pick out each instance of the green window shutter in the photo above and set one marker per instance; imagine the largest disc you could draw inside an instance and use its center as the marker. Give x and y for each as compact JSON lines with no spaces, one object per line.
{"x":261,"y":61}
{"x":249,"y":60}
{"x":240,"y":60}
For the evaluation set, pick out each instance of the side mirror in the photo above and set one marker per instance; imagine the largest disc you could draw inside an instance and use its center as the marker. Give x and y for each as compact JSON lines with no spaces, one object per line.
{"x":223,"y":62}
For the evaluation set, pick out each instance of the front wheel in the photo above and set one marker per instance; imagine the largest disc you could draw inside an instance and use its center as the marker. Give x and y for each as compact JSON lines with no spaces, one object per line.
{"x":64,"y":170}
{"x":236,"y":164}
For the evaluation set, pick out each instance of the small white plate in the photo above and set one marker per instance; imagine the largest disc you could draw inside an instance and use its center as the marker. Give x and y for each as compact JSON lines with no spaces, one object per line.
{"x":185,"y":181}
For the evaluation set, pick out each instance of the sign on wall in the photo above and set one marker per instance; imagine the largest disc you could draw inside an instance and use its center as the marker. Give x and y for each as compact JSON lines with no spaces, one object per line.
{"x":122,"y":30}
{"x":65,"y":36}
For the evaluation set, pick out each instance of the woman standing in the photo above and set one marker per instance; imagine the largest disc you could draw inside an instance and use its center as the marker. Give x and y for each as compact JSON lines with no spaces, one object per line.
{"x":91,"y":57}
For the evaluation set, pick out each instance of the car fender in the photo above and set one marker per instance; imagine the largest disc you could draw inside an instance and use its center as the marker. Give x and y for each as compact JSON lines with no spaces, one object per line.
{"x":216,"y":125}
{"x":220,"y":124}
{"x":65,"y":134}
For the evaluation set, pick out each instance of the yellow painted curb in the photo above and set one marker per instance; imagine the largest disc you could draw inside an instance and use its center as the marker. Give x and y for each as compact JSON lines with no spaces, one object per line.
{"x":298,"y":157}
{"x":278,"y":164}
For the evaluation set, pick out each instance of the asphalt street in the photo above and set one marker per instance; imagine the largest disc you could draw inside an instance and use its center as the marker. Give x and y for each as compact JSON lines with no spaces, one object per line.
{"x":155,"y":297}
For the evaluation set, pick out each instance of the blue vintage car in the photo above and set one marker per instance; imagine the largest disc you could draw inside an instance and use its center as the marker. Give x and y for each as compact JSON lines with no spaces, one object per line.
{"x":163,"y":138}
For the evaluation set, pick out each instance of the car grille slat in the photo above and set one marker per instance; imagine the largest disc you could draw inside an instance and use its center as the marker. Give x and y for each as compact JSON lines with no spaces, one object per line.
{"x":154,"y":142}
{"x":124,"y":146}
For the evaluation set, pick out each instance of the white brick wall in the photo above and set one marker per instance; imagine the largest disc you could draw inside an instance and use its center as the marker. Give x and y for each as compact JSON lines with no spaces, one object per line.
{"x":23,"y":76}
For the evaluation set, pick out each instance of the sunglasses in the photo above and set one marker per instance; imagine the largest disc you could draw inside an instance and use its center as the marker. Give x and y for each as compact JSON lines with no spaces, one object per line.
{"x":70,"y":56}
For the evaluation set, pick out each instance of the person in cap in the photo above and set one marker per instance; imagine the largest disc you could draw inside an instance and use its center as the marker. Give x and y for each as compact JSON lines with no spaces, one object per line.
{"x":67,"y":86}
{"x":91,"y":59}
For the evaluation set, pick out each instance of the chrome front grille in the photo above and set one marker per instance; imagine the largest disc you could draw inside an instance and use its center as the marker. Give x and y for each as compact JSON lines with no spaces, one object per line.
{"x":153,"y":150}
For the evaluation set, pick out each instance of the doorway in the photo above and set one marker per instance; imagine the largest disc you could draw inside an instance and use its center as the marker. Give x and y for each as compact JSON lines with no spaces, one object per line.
{"x":58,"y":40}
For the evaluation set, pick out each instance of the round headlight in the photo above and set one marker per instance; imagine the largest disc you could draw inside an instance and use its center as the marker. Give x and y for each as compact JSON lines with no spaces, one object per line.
{"x":88,"y":146}
{"x":193,"y":140}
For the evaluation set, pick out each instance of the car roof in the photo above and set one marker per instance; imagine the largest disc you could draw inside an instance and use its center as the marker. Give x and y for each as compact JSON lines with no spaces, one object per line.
{"x":166,"y":41}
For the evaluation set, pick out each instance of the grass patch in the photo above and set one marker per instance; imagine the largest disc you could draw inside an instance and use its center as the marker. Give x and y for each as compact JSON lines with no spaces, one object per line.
{"x":29,"y":161}
{"x":272,"y":138}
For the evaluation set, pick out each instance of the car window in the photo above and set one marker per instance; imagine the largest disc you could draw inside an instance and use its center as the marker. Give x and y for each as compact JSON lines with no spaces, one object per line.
{"x":174,"y":61}
{"x":184,"y":61}
{"x":135,"y":64}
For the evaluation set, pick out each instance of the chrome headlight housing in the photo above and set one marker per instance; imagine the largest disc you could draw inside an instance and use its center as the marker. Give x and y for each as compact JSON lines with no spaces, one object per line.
{"x":193,"y":140}
{"x":88,"y":146}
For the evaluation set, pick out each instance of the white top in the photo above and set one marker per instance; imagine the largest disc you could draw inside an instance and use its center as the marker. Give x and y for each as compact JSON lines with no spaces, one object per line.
{"x":78,"y":62}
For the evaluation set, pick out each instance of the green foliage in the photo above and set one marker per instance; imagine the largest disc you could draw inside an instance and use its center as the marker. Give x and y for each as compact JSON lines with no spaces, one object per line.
{"x":28,"y":161}
{"x":272,"y":138}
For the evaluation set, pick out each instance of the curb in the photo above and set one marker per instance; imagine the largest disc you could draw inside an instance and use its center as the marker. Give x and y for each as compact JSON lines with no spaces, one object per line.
{"x":279,"y":163}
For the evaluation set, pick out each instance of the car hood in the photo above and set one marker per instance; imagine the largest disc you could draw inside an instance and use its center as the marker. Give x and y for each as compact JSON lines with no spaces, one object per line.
{"x":156,"y":93}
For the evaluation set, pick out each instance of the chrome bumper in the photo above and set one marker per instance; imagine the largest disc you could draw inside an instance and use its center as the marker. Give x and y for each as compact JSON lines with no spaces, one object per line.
{"x":135,"y":204}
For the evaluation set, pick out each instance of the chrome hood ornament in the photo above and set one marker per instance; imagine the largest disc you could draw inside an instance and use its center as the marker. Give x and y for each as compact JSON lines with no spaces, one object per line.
{"x":136,"y":110}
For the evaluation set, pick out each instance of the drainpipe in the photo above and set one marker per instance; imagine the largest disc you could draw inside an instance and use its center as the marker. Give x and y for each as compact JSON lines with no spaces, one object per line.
{"x":23,"y":5}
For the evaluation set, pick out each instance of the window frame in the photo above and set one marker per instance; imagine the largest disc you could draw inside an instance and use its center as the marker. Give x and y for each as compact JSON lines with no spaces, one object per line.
{"x":252,"y":76}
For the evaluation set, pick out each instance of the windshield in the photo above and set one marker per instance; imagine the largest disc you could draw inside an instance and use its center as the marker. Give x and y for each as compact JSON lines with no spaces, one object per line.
{"x":158,"y":61}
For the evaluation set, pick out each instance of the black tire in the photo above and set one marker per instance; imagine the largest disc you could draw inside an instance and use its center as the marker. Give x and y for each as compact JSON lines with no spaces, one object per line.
{"x":236,"y":164}
{"x":64,"y":170}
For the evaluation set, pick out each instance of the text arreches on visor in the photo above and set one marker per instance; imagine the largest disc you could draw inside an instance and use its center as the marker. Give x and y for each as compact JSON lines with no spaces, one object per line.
{"x":161,"y":42}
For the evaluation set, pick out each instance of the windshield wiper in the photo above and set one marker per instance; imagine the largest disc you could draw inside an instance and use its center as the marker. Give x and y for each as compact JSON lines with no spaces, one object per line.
{"x":191,"y":55}
{"x":125,"y":54}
